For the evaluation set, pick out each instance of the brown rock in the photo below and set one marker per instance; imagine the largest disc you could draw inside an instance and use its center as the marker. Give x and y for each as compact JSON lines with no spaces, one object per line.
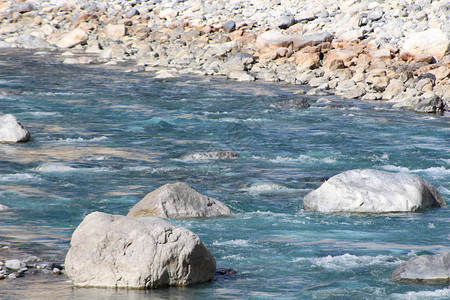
{"x":334,"y":64}
{"x":73,"y":38}
{"x":307,"y":60}
{"x":380,"y":54}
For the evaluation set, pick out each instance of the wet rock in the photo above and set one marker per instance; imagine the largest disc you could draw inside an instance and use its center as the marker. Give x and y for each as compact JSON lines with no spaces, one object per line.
{"x":12,"y":131}
{"x":429,"y":103}
{"x":373,"y":191}
{"x":225,"y":272}
{"x":14,"y":264}
{"x":240,"y":76}
{"x":295,"y":103}
{"x":122,"y":252}
{"x":424,"y":268}
{"x":178,"y":200}
{"x":3,"y":207}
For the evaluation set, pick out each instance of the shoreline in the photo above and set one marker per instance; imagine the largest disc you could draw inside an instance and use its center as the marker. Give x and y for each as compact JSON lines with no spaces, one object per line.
{"x":397,"y":53}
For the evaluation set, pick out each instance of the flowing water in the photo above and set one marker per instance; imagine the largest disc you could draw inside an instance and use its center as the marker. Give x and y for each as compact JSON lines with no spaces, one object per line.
{"x":103,"y":138}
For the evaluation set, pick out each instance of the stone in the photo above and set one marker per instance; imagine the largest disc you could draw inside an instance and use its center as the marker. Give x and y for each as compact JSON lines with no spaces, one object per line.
{"x":12,"y":131}
{"x":429,"y":103}
{"x":140,"y":253}
{"x":75,"y":37}
{"x":349,"y":89}
{"x":14,"y":264}
{"x":307,"y":60}
{"x":424,"y":268}
{"x":272,"y":39}
{"x":394,"y":88}
{"x":115,"y":31}
{"x":380,"y":54}
{"x":3,"y":207}
{"x":178,"y":200}
{"x":312,"y":39}
{"x":29,"y":41}
{"x":432,"y":41}
{"x":229,"y":26}
{"x":295,"y":103}
{"x":240,"y":76}
{"x":373,"y":191}
{"x":286,"y":21}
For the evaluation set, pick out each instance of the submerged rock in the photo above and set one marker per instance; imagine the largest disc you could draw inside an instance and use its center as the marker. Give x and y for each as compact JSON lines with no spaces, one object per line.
{"x":211,"y":155}
{"x":296,"y":103}
{"x":122,"y":252}
{"x":424,"y":268}
{"x":178,"y":200}
{"x":3,"y":207}
{"x":11,"y":130}
{"x":373,"y":191}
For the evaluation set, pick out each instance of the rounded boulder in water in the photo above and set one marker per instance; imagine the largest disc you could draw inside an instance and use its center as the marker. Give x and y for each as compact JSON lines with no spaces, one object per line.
{"x":178,"y":200}
{"x":424,"y":268}
{"x":373,"y":191}
{"x":12,"y":131}
{"x":140,"y":253}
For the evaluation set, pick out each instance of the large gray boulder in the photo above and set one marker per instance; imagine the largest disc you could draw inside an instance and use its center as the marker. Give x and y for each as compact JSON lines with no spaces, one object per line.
{"x":11,"y":130}
{"x":178,"y":200}
{"x":117,"y":251}
{"x":373,"y":191}
{"x":424,"y":268}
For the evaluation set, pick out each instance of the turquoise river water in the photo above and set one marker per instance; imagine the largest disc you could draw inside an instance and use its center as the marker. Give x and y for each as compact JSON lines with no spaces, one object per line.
{"x":103,"y":138}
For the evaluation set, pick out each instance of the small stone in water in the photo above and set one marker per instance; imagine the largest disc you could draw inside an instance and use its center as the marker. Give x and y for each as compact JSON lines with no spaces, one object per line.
{"x":56,"y":271}
{"x":12,"y":275}
{"x":14,"y":264}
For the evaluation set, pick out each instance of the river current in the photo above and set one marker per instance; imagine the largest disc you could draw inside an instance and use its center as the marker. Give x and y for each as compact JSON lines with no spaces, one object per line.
{"x":102,"y":138}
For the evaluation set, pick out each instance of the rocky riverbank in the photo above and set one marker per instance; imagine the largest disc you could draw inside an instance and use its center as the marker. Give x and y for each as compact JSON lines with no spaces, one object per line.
{"x":396,"y":51}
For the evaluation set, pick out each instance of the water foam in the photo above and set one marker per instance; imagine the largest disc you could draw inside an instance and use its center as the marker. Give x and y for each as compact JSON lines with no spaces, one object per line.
{"x":61,"y":168}
{"x":436,"y":294}
{"x":17,"y":177}
{"x":266,"y":187}
{"x":44,"y":113}
{"x":237,"y":242}
{"x":302,"y":158}
{"x":432,"y":171}
{"x":82,"y":140}
{"x":54,"y":167}
{"x":349,"y":261}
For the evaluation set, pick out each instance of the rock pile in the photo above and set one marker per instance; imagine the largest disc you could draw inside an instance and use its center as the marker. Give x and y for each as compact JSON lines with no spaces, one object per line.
{"x":371,"y":50}
{"x":15,"y":268}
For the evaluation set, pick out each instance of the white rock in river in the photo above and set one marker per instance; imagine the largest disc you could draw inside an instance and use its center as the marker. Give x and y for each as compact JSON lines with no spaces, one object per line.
{"x":117,"y":251}
{"x":14,"y":264}
{"x":373,"y":191}
{"x":178,"y":200}
{"x":11,"y":130}
{"x":424,"y":268}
